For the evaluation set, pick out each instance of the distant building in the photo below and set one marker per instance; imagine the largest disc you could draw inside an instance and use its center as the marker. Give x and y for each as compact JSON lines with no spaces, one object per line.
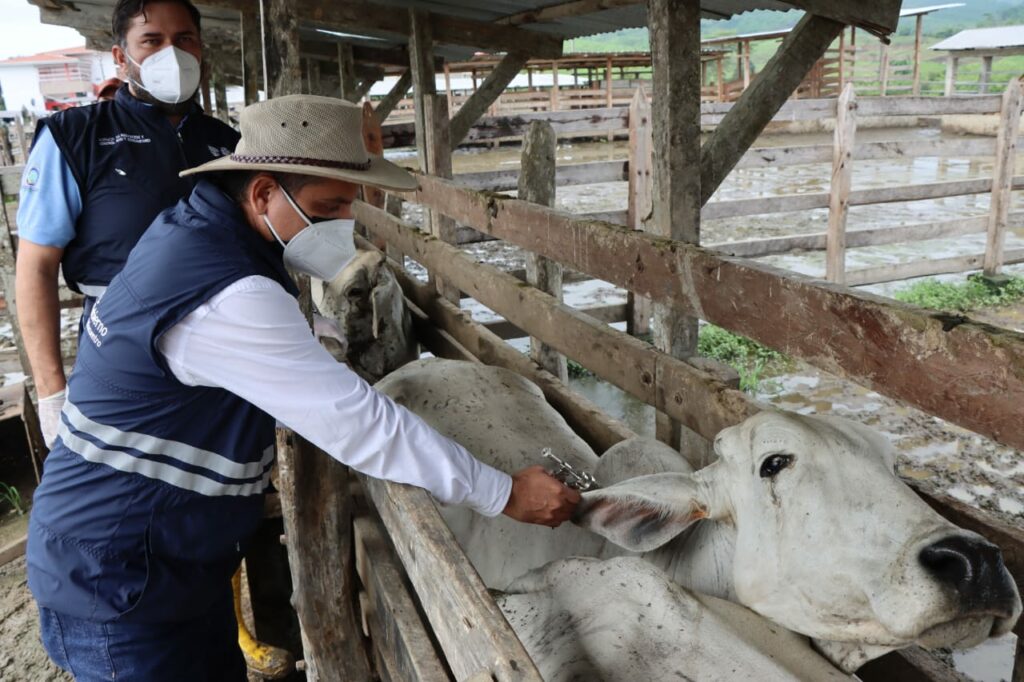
{"x":54,"y":80}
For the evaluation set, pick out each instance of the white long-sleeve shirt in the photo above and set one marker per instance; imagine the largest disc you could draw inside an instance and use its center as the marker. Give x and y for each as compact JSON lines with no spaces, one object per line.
{"x":252,"y":340}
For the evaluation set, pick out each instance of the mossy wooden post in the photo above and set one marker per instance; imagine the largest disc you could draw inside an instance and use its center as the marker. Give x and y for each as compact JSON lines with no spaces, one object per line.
{"x":638,"y":316}
{"x":315,"y":503}
{"x":537,"y":184}
{"x":1002,"y":178}
{"x":439,"y":163}
{"x":676,"y":56}
{"x":347,"y":72}
{"x":839,"y":193}
{"x":252,"y":62}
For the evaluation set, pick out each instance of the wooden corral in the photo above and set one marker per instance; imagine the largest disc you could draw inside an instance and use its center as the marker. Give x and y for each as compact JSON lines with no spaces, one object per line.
{"x":427,"y":613}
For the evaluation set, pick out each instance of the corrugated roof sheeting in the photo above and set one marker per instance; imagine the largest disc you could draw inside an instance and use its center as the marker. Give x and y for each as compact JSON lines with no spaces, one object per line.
{"x":1000,"y":38}
{"x":604,"y":21}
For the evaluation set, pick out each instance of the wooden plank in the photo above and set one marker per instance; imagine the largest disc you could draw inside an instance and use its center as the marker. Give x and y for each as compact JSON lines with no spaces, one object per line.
{"x":421,"y":64}
{"x":878,"y":17}
{"x":13,"y":550}
{"x":926,"y":268}
{"x":674,"y":29}
{"x":928,"y":106}
{"x":281,"y":64}
{"x":615,"y":312}
{"x":804,"y":202}
{"x":913,"y":664}
{"x":641,"y":148}
{"x":439,"y":164}
{"x":858,"y":238}
{"x":251,"y":45}
{"x":570,"y":174}
{"x":772,"y":157}
{"x":395,"y":95}
{"x":961,"y":371}
{"x":658,"y":379}
{"x":394,"y":622}
{"x":839,"y":191}
{"x":759,"y":103}
{"x":563,"y":10}
{"x":495,"y":83}
{"x":537,"y":185}
{"x":479,"y":639}
{"x":347,"y":79}
{"x":1002,"y":181}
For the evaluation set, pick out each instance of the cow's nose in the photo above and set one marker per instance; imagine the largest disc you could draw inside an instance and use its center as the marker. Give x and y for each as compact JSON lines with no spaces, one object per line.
{"x":973,"y":567}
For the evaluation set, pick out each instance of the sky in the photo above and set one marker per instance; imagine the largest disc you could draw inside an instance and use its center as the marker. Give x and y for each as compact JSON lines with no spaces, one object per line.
{"x":21,"y":32}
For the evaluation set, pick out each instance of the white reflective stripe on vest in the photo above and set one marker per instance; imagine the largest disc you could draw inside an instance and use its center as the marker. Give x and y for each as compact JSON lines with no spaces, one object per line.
{"x":151,"y":445}
{"x":94,"y":290}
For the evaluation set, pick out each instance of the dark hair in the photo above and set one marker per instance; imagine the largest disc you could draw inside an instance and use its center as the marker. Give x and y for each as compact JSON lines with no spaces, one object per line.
{"x":236,"y":183}
{"x":126,"y":10}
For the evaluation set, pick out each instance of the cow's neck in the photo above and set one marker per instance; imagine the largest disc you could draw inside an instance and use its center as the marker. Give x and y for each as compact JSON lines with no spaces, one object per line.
{"x":701,"y":559}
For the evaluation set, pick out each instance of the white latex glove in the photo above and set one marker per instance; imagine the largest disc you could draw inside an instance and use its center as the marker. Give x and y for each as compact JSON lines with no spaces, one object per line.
{"x":326,"y":328}
{"x":49,"y":416}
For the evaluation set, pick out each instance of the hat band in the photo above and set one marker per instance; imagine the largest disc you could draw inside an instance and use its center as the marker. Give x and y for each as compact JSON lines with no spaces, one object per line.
{"x":301,"y":161}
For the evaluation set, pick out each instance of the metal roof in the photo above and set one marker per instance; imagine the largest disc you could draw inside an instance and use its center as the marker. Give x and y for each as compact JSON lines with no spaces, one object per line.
{"x":999,"y":38}
{"x":915,"y":11}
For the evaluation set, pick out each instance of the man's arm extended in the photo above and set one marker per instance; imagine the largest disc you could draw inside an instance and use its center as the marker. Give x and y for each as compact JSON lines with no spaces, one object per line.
{"x":39,"y":313}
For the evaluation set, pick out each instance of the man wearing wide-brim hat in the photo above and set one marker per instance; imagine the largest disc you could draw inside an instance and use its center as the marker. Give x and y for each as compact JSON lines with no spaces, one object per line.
{"x":166,"y":443}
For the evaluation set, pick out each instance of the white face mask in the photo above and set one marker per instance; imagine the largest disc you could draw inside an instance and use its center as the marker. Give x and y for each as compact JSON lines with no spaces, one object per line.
{"x":170,"y":75}
{"x":321,"y":249}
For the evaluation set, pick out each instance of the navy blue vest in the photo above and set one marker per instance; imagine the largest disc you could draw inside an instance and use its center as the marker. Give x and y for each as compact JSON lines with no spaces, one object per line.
{"x":153,"y":487}
{"x":125,"y":156}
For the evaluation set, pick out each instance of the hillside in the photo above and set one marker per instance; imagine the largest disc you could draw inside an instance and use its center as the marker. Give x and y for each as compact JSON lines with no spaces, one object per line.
{"x":974,"y":14}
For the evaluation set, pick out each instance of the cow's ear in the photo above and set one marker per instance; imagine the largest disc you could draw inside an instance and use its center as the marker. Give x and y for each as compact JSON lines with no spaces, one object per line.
{"x":643,"y":513}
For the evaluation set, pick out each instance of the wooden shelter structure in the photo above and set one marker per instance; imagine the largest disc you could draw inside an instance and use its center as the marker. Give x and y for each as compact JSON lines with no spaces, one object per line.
{"x":407,"y":559}
{"x":986,"y":44}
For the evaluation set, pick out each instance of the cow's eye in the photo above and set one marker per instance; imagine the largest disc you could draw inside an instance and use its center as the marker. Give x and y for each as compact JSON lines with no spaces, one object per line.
{"x":774,"y":464}
{"x":355,"y":292}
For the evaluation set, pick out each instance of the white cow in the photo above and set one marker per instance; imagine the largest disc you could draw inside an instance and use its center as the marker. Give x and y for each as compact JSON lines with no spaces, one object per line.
{"x":803,"y":518}
{"x":366,"y":300}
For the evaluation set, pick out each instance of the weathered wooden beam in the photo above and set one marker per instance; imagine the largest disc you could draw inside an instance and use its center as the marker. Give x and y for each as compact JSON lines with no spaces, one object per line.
{"x":537,"y":184}
{"x":252,"y":62}
{"x":281,"y":64}
{"x":1002,"y":180}
{"x":678,"y":388}
{"x":394,"y":622}
{"x":879,"y":17}
{"x":926,"y":268}
{"x":564,"y":10}
{"x":394,"y":96}
{"x":839,"y":190}
{"x":347,"y":72}
{"x":954,"y":368}
{"x":477,"y":642}
{"x":674,"y":27}
{"x":641,"y":151}
{"x":439,"y":164}
{"x":495,"y":83}
{"x":421,"y":64}
{"x":799,"y":51}
{"x":597,"y":428}
{"x":367,"y":15}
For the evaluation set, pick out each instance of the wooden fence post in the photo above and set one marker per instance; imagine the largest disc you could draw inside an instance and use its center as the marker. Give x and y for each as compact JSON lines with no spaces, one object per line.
{"x":638,"y":308}
{"x":951,"y":68}
{"x":348,"y":82}
{"x":251,"y":59}
{"x":839,"y":192}
{"x":537,"y":185}
{"x":439,"y":163}
{"x":1002,"y":178}
{"x":19,"y":131}
{"x":554,"y":85}
{"x":916,"y":85}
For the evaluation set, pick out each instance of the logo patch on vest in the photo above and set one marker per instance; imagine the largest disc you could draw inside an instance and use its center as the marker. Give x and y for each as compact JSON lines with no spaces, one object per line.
{"x":31,"y":178}
{"x":95,"y":327}
{"x":122,"y":137}
{"x":217,"y":152}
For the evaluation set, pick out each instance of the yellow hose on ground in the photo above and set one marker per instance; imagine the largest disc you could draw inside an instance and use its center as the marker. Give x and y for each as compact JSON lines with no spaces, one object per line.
{"x":269,"y":662}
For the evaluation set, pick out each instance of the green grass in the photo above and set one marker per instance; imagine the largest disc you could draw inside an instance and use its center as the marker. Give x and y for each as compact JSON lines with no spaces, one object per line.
{"x":972,"y":294}
{"x":11,"y":496}
{"x":752,"y":361}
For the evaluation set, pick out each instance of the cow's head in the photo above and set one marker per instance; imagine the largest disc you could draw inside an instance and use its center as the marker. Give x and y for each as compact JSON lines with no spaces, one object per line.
{"x":366,"y":301}
{"x":829,"y":542}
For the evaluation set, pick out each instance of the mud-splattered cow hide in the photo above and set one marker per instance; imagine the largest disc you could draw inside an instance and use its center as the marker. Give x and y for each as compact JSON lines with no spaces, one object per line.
{"x":802,"y":519}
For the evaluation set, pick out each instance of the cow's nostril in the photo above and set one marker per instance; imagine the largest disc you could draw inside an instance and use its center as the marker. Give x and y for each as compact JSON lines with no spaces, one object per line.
{"x":973,"y":567}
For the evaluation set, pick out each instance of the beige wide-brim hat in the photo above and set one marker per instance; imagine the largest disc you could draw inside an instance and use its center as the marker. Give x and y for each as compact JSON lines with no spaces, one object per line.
{"x":308,"y":135}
